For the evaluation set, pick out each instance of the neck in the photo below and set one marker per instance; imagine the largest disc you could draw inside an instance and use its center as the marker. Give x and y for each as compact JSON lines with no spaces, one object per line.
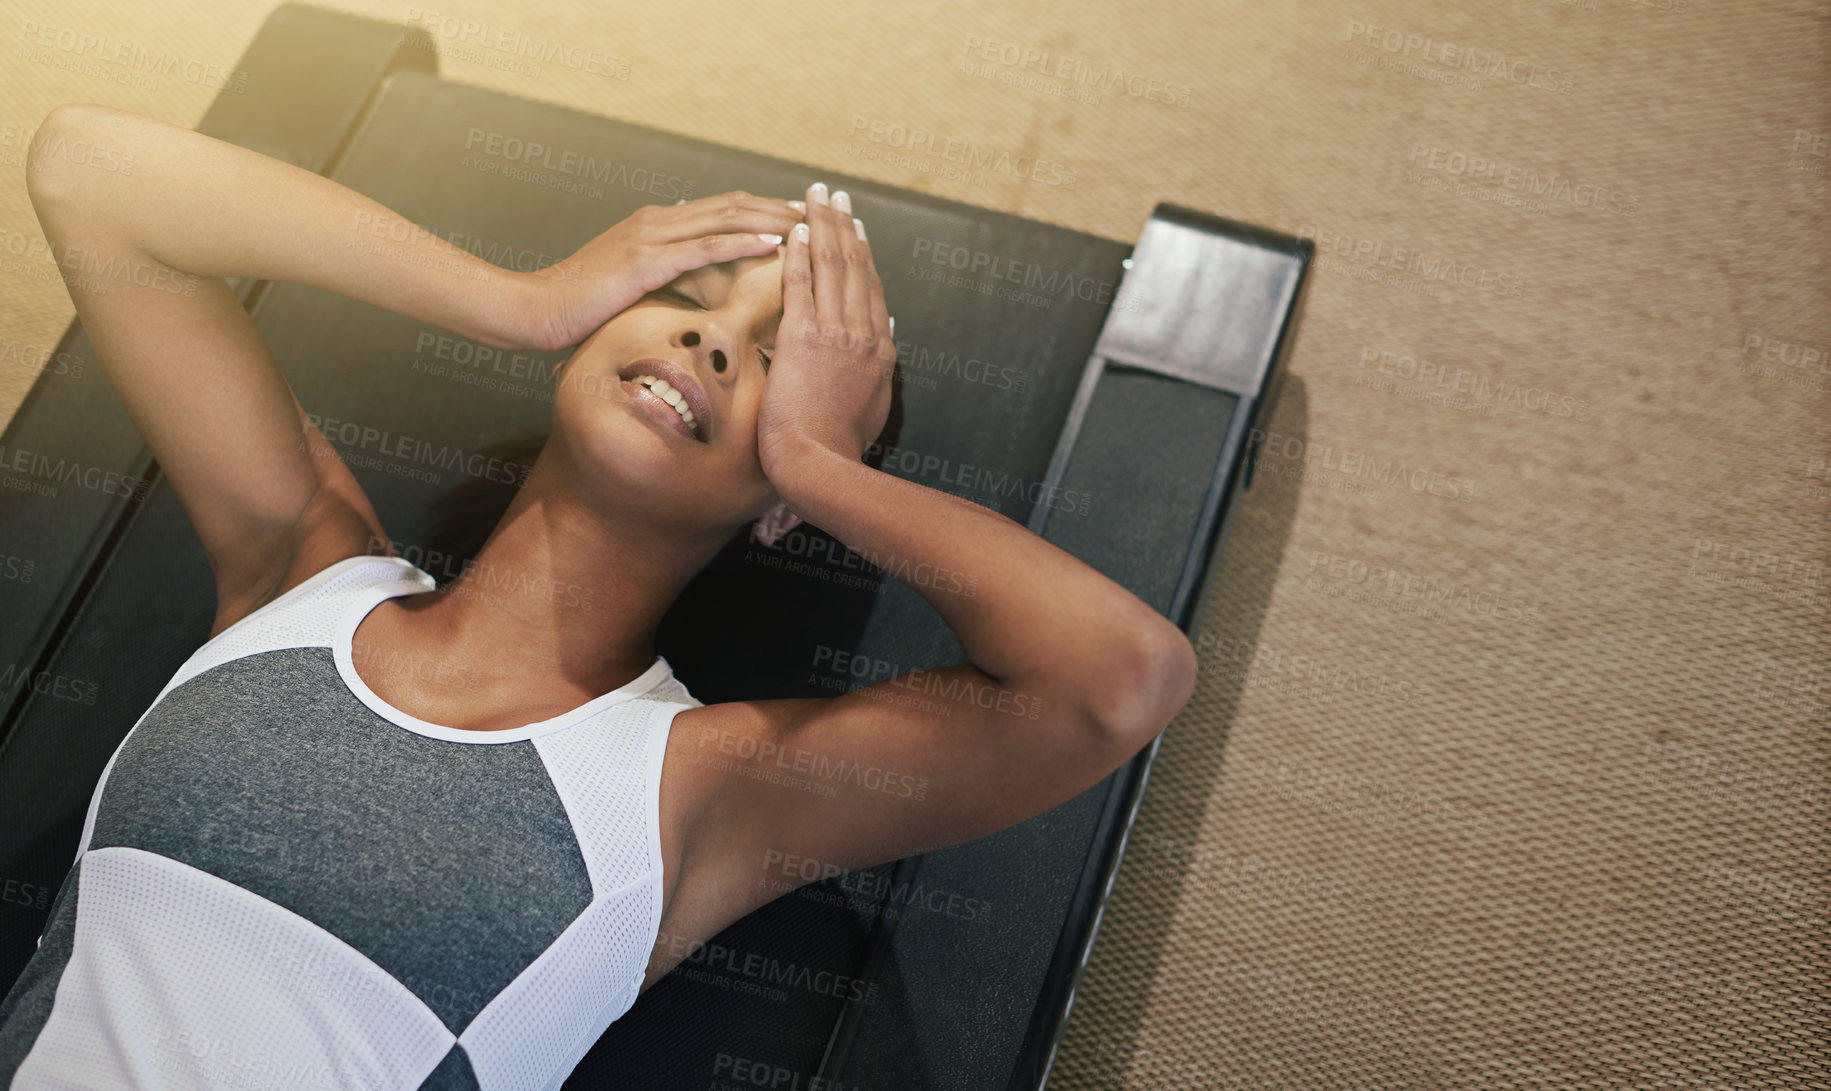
{"x":562,"y":595}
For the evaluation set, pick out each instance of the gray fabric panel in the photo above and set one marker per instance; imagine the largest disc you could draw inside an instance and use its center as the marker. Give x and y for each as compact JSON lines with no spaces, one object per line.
{"x":451,"y":865}
{"x":453,"y":1074}
{"x":28,"y":1005}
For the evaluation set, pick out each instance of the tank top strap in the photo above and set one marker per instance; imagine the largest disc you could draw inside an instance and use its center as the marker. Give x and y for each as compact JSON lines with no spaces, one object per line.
{"x":305,"y":616}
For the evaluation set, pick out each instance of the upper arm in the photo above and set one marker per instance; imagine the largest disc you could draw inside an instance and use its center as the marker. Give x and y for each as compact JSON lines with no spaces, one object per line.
{"x":200,"y":384}
{"x":912,"y":764}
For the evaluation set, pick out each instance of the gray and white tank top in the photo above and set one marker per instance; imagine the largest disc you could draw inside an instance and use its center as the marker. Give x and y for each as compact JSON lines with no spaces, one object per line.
{"x":285,"y":882}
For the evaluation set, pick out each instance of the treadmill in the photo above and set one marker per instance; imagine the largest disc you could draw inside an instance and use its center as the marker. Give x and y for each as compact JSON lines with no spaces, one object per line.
{"x":1127,"y":386}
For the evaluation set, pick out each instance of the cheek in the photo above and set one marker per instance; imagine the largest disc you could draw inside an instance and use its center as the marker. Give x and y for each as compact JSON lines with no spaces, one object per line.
{"x":580,"y":381}
{"x":746,"y":406}
{"x":741,"y":430}
{"x":590,"y":411}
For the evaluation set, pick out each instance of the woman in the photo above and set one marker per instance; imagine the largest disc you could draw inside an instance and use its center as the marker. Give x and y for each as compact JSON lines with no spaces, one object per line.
{"x":379,"y":833}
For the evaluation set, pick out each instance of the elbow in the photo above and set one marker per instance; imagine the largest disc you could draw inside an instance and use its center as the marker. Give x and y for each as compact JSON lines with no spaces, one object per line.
{"x":1154,"y":680}
{"x":50,"y":171}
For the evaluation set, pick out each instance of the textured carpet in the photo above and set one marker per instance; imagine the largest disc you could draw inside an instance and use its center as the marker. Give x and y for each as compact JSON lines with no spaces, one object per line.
{"x":1508,"y":766}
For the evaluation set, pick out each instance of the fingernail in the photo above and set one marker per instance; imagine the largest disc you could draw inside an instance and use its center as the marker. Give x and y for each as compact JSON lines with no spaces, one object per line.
{"x":773,"y":240}
{"x":860,"y":225}
{"x":893,"y":326}
{"x":798,"y":206}
{"x":800,"y":232}
{"x":817,"y":193}
{"x":842,"y":201}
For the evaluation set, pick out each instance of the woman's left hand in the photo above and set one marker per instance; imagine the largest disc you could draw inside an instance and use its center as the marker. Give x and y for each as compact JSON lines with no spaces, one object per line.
{"x":829,"y":383}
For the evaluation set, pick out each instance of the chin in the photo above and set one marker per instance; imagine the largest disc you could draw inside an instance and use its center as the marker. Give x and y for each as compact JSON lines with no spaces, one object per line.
{"x":633,"y":459}
{"x":625,"y":465}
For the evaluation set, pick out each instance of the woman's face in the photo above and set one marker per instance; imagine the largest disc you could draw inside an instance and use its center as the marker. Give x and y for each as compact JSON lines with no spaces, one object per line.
{"x":707,"y":333}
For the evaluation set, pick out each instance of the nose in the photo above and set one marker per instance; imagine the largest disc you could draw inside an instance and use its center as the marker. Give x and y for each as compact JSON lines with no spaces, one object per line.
{"x":720,"y":362}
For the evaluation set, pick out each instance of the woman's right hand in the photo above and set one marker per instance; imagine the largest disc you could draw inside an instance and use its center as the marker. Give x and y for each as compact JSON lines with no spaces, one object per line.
{"x":656,"y":244}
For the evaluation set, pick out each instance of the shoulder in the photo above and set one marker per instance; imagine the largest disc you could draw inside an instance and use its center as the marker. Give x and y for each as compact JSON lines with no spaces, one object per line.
{"x":330,"y":532}
{"x":306,"y":614}
{"x":726,"y":760}
{"x":314,"y":599}
{"x":709,"y":830}
{"x":693,"y":759}
{"x":719,"y":736}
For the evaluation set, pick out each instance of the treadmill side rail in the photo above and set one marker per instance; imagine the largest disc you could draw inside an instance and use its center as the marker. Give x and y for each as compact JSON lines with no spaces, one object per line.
{"x":1206,"y":302}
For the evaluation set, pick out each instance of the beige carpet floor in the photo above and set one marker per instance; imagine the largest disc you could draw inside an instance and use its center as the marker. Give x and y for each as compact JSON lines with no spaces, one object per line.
{"x":1508,"y":770}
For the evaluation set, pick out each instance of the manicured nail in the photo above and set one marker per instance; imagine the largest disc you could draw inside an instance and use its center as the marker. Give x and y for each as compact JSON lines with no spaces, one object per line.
{"x":800,"y":232}
{"x":817,"y":193}
{"x":842,"y":201}
{"x":893,"y":327}
{"x":798,"y":206}
{"x":860,"y":225}
{"x":773,"y":240}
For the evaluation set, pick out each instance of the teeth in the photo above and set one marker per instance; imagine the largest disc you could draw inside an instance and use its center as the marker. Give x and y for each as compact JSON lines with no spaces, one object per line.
{"x":673,"y":397}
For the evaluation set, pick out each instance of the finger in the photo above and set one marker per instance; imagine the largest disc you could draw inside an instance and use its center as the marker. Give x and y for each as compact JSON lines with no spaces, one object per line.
{"x":724,"y":214}
{"x":689,"y":254}
{"x":738,"y":197}
{"x":826,"y":258}
{"x":860,"y":277}
{"x":730,"y":219}
{"x":797,"y":281}
{"x":872,"y":286}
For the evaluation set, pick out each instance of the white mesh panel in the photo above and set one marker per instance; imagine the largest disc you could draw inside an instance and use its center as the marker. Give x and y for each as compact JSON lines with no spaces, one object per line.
{"x":534,"y":1032}
{"x":179,"y":979}
{"x":304,"y":617}
{"x":601,"y":770}
{"x":607,"y":771}
{"x":671,"y":690}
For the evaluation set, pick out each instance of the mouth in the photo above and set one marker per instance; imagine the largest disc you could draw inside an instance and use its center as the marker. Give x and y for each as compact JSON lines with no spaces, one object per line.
{"x":669,"y":393}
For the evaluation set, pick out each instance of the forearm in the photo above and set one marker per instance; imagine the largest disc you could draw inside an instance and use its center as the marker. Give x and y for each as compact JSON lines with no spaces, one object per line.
{"x":1027,"y":612}
{"x":206,"y":207}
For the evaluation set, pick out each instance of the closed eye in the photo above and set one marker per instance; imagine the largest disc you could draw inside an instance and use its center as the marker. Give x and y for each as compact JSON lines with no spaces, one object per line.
{"x":685,"y":298}
{"x":680,"y":295}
